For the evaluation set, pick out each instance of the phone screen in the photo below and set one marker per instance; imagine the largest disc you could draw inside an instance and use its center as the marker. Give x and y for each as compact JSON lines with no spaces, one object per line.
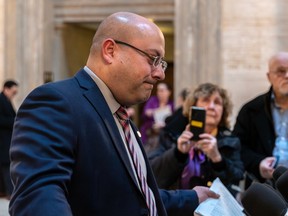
{"x":197,"y":117}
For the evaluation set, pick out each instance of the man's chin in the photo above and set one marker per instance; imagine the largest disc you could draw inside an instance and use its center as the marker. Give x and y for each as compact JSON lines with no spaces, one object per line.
{"x":284,"y":92}
{"x":145,"y":97}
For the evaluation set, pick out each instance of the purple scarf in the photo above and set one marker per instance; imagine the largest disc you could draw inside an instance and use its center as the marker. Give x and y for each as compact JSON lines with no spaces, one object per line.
{"x":196,"y":157}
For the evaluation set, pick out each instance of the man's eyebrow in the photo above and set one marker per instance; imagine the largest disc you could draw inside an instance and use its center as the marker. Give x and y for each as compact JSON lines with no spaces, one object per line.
{"x":157,"y":53}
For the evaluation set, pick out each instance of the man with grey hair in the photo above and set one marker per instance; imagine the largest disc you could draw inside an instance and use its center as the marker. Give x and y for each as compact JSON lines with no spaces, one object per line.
{"x":263,"y":119}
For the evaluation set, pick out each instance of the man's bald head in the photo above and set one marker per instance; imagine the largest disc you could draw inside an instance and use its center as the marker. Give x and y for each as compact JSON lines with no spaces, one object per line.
{"x":277,"y":76}
{"x":123,"y":52}
{"x":276,"y":59}
{"x":124,"y":26}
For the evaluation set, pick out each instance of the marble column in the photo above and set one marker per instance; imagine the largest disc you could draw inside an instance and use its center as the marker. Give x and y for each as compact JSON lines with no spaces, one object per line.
{"x":60,"y":65}
{"x":197,"y":43}
{"x":2,"y":38}
{"x":25,"y":31}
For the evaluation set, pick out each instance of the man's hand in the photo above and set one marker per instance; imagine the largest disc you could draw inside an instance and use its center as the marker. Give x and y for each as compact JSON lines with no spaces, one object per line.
{"x":266,"y":168}
{"x":204,"y":193}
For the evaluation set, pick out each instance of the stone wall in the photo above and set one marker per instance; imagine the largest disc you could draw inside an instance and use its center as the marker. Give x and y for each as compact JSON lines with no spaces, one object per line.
{"x":252,"y":31}
{"x":2,"y":39}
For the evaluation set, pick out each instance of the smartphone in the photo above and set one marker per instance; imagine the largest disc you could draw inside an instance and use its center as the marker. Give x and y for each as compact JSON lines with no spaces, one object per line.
{"x":197,"y":118}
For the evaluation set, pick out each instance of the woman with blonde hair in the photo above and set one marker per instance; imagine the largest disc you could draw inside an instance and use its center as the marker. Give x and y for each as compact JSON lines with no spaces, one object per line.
{"x":179,"y":162}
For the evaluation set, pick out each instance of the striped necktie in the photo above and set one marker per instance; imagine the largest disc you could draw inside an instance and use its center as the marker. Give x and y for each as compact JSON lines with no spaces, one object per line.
{"x":124,"y":121}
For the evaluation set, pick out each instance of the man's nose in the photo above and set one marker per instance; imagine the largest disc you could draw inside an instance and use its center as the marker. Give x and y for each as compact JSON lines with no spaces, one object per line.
{"x":158,"y":73}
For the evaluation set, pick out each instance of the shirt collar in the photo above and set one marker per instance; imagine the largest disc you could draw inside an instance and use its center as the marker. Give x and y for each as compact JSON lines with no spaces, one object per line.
{"x":273,"y":102}
{"x":107,"y":94}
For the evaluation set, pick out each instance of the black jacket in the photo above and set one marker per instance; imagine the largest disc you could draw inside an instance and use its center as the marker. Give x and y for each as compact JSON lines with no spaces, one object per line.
{"x":7,"y":116}
{"x":255,"y":128}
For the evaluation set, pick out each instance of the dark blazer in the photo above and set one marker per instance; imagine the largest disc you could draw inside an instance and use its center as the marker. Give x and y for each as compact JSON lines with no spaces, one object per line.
{"x":68,"y":158}
{"x":255,"y":128}
{"x":7,"y":116}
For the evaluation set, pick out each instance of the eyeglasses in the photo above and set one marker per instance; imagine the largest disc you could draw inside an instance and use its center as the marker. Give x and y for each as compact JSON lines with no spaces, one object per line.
{"x":156,"y":60}
{"x":280,"y":72}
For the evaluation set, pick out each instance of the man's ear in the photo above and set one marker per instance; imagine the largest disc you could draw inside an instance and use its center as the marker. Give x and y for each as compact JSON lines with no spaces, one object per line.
{"x":108,"y":49}
{"x":268,"y":76}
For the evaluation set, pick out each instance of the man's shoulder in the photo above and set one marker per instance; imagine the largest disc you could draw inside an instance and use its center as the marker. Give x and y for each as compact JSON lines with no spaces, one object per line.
{"x":63,"y":84}
{"x":256,"y":103}
{"x":3,"y":99}
{"x":2,"y":96}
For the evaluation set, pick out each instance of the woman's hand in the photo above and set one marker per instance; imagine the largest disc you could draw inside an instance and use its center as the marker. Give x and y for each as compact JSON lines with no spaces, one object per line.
{"x":184,"y":143}
{"x":208,"y":145}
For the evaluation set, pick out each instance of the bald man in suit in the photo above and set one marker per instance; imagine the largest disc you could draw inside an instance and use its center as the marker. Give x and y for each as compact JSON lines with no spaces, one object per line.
{"x":69,"y":152}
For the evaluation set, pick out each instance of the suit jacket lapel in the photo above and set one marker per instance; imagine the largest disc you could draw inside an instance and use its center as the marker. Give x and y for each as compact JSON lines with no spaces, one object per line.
{"x":96,"y":99}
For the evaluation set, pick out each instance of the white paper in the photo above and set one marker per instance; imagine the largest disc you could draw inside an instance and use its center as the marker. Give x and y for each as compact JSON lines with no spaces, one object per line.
{"x":226,"y":205}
